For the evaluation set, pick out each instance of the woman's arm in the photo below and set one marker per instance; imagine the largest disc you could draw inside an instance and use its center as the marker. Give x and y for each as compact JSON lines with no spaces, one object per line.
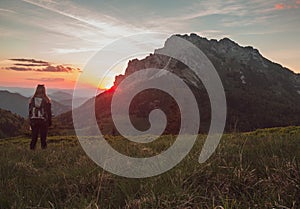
{"x":49,"y":112}
{"x":30,"y":108}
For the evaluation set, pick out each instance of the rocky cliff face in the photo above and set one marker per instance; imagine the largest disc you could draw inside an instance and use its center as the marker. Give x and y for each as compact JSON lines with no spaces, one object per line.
{"x":259,"y":93}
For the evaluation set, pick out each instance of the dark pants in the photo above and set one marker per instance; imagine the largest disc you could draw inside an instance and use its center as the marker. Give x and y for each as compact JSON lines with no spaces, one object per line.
{"x":39,"y":127}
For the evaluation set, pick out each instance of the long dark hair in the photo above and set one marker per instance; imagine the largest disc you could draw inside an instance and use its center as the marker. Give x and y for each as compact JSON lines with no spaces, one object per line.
{"x":40,"y":91}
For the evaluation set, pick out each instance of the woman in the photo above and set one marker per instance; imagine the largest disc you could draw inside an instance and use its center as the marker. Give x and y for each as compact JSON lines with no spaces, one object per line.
{"x":40,"y":116}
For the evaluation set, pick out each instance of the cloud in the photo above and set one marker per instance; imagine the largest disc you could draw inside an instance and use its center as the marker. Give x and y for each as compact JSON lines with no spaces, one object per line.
{"x":7,"y":10}
{"x":78,"y":27}
{"x":19,"y":68}
{"x":51,"y":68}
{"x":101,"y":23}
{"x":246,"y":21}
{"x":58,"y":68}
{"x":29,"y":65}
{"x":72,"y":50}
{"x":46,"y":79}
{"x":279,"y":6}
{"x":291,"y":5}
{"x":30,"y":60}
{"x":229,"y":12}
{"x":81,"y":26}
{"x":39,"y":66}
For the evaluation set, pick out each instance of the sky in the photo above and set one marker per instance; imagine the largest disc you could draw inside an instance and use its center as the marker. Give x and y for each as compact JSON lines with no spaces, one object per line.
{"x":49,"y":41}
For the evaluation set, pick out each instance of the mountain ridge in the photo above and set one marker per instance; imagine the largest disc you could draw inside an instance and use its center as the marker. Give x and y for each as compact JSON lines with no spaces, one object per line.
{"x":259,"y":92}
{"x":18,"y":104}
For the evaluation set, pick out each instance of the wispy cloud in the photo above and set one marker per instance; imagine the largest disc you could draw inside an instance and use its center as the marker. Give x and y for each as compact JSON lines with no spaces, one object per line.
{"x":24,"y":64}
{"x":73,"y":50}
{"x":89,"y":31}
{"x":56,"y":69}
{"x":246,"y":21}
{"x":6,"y":11}
{"x":97,"y":21}
{"x":46,"y":79}
{"x":30,"y":60}
{"x":29,"y":65}
{"x":262,"y":32}
{"x":279,"y":6}
{"x":82,"y":30}
{"x":287,"y":5}
{"x":230,"y":13}
{"x":208,"y":8}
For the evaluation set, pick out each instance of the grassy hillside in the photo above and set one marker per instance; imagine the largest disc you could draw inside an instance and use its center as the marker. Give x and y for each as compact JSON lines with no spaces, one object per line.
{"x":251,"y":170}
{"x":11,"y":124}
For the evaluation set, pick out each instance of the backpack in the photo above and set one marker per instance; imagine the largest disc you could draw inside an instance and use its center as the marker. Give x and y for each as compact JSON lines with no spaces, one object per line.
{"x":37,"y":109}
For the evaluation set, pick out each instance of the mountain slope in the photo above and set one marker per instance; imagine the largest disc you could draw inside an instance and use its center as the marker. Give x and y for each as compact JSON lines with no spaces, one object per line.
{"x":259,"y":93}
{"x":60,"y":96}
{"x":10,"y":124}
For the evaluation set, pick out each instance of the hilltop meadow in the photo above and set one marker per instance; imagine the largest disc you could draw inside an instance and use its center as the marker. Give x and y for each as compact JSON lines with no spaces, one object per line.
{"x":257,"y":169}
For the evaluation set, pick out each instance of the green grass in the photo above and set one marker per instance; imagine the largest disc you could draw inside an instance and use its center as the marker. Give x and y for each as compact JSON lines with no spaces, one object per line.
{"x":249,"y":170}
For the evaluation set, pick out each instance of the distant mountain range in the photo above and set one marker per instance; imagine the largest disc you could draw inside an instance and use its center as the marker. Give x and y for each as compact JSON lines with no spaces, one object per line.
{"x":67,"y":98}
{"x":18,"y":104}
{"x":28,"y":92}
{"x":62,"y":96}
{"x":259,"y":92}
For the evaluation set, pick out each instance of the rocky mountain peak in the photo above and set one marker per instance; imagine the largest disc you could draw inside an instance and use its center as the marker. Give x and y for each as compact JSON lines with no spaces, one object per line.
{"x":228,"y":57}
{"x":259,"y":92}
